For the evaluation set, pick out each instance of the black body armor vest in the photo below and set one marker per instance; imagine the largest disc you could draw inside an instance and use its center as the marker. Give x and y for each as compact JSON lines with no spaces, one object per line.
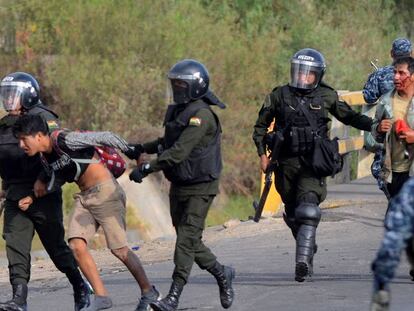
{"x":203,"y":164}
{"x":298,"y":131}
{"x":15,"y":166}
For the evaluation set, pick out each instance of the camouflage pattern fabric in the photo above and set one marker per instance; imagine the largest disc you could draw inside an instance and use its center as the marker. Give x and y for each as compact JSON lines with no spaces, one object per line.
{"x":399,"y":226}
{"x":380,"y":301}
{"x":401,"y":47}
{"x":377,"y":172}
{"x":379,"y":82}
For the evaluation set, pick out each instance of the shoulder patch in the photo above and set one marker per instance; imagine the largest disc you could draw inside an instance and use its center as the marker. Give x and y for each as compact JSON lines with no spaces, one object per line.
{"x":52,"y":124}
{"x":267,"y":102}
{"x":195,"y":121}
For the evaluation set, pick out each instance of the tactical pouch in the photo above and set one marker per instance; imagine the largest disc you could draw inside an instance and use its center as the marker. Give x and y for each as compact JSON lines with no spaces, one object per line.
{"x":294,"y":140}
{"x":309,"y":138}
{"x":302,"y":140}
{"x":326,"y":160}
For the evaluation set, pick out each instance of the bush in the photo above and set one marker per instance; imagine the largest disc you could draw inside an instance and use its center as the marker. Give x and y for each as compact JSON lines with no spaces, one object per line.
{"x":103,"y":64}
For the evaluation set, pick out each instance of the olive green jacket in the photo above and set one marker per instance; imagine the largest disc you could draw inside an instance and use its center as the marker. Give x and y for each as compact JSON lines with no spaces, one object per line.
{"x":195,"y":135}
{"x":271,"y":109}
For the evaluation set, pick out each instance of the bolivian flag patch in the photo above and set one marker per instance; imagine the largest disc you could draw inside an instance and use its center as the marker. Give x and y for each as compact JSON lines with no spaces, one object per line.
{"x":194,"y":121}
{"x":52,"y":124}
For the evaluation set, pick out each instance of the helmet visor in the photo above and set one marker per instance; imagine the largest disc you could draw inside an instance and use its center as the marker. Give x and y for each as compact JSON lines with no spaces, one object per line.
{"x":11,"y":95}
{"x":181,"y":91}
{"x":305,"y":75}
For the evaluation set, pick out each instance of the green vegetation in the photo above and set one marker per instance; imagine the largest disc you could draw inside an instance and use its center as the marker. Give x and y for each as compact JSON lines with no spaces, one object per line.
{"x":68,"y":190}
{"x":102,"y":64}
{"x":237,"y":207}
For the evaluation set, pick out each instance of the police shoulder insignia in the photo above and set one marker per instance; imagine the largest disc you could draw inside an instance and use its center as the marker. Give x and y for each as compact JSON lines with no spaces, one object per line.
{"x":195,"y":121}
{"x":267,"y":102}
{"x":52,"y":124}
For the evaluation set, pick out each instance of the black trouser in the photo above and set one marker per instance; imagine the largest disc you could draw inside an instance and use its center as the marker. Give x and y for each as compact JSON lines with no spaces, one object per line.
{"x":294,"y":181}
{"x":45,"y":216}
{"x":398,"y":180}
{"x":188,"y":214}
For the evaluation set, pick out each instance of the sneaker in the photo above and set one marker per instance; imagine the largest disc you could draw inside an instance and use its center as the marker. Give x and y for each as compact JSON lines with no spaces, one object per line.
{"x":81,"y":296}
{"x":152,"y":296}
{"x":99,"y":303}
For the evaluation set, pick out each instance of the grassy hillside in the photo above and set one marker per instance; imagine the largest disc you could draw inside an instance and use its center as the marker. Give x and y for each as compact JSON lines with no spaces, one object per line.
{"x":102,"y":64}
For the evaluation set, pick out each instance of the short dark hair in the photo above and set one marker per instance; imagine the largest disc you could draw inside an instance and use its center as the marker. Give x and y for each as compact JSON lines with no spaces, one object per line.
{"x":405,"y":60}
{"x":30,"y":125}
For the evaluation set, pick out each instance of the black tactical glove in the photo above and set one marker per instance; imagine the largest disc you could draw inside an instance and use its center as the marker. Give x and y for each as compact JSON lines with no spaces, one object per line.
{"x":140,"y":172}
{"x":134,"y":151}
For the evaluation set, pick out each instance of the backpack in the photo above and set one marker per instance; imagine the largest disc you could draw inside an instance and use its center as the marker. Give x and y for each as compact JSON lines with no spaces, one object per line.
{"x":108,"y":156}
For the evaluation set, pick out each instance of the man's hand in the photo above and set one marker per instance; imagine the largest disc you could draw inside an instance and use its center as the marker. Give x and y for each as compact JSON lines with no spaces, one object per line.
{"x":264,"y":162}
{"x":140,"y":172}
{"x":384,"y":126}
{"x":39,"y":188}
{"x":2,"y":194}
{"x":380,"y":301}
{"x":407,"y":136}
{"x":25,"y":203}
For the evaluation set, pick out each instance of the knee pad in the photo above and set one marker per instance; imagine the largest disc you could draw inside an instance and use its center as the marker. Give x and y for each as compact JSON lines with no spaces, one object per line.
{"x":308,"y":214}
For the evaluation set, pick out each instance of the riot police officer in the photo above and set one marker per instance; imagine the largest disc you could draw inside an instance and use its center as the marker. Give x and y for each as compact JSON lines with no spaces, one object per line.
{"x":190,"y":157}
{"x":306,"y":100}
{"x":19,"y":94}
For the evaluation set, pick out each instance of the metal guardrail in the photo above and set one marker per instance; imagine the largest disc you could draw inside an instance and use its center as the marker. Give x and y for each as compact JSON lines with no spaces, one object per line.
{"x":349,"y":143}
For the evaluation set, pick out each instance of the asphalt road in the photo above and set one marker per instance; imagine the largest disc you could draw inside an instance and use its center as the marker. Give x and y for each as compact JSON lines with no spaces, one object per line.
{"x":348,"y":238}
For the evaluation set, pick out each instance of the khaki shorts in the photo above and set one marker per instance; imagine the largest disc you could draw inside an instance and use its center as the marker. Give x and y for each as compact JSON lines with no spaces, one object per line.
{"x":102,"y":205}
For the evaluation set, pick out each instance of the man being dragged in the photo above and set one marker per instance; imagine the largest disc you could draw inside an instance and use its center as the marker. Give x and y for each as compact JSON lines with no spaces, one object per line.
{"x":70,"y":156}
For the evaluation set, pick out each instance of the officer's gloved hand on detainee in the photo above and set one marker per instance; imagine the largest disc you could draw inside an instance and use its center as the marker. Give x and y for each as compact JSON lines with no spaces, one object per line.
{"x":134,"y":151}
{"x":140,"y":172}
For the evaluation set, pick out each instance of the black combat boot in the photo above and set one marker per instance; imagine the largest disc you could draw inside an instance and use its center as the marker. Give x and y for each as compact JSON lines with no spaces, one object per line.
{"x":224,"y":276}
{"x":18,"y":302}
{"x":81,"y":295}
{"x":170,"y":302}
{"x":305,"y":249}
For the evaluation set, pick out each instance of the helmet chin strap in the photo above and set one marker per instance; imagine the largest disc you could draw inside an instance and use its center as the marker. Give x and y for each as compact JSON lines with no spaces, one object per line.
{"x":302,"y":91}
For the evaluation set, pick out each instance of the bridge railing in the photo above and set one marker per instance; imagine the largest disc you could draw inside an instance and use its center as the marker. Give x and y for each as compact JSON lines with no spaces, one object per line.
{"x":355,"y":142}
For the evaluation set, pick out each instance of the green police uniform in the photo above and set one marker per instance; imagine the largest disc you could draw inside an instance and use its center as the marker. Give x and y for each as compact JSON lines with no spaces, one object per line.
{"x":189,"y":155}
{"x":294,"y":176}
{"x":302,"y":116}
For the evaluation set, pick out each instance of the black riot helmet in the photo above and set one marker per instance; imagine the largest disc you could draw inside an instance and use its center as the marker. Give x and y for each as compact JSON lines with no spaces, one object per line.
{"x":307,"y":67}
{"x":19,"y":88}
{"x":189,"y":81}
